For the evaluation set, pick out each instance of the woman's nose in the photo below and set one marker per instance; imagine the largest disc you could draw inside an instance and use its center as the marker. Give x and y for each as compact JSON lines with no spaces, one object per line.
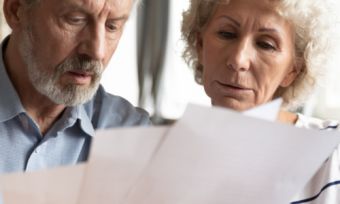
{"x":240,"y":55}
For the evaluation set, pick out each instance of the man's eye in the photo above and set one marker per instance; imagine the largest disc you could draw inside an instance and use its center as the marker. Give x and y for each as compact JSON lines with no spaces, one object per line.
{"x":111,"y":27}
{"x":227,"y":35}
{"x":76,"y":20}
{"x":266,"y":46}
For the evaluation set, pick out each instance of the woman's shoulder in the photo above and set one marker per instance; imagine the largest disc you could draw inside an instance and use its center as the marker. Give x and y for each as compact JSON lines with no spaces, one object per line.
{"x":324,"y":187}
{"x":304,"y":121}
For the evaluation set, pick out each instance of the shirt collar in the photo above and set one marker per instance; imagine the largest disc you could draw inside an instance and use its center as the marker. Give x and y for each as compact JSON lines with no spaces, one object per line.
{"x":10,"y":104}
{"x":84,"y":120}
{"x":73,"y":117}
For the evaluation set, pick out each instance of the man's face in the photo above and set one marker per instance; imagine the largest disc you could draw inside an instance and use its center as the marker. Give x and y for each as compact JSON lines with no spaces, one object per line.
{"x":67,"y":44}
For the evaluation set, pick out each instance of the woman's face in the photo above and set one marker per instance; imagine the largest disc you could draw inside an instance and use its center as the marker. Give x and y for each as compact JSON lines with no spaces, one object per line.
{"x":247,"y":53}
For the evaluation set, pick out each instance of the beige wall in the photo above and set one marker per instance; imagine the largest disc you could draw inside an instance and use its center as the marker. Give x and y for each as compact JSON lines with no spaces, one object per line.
{"x":4,"y":29}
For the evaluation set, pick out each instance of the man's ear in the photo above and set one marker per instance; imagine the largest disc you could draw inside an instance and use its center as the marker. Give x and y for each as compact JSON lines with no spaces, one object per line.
{"x":293,"y":73}
{"x":13,"y":12}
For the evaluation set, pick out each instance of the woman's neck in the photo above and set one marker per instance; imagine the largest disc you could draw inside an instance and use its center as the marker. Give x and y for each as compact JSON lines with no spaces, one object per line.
{"x":287,"y":117}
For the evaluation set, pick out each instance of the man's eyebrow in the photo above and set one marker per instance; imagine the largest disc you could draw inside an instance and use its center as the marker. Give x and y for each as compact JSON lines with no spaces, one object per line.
{"x":232,"y":20}
{"x":80,"y":8}
{"x":120,"y":18}
{"x":73,"y":6}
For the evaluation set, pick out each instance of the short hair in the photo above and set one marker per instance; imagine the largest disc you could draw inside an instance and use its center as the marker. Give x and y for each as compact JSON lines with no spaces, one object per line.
{"x":314,"y":25}
{"x":31,"y":3}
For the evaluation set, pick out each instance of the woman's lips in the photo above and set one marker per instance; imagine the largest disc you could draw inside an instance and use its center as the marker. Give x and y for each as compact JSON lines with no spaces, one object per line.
{"x":232,"y":89}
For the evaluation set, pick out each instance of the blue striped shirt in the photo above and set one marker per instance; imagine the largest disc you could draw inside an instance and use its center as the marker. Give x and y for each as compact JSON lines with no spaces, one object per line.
{"x":324,"y":187}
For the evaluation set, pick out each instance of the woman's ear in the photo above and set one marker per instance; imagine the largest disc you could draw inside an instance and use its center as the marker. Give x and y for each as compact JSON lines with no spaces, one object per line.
{"x":293,"y":73}
{"x":13,"y":12}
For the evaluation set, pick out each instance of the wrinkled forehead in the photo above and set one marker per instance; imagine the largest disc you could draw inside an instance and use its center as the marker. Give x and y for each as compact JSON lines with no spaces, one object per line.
{"x":114,"y":1}
{"x":111,"y":4}
{"x":270,"y":4}
{"x":227,"y":1}
{"x":100,"y":3}
{"x":264,"y":6}
{"x":112,"y":8}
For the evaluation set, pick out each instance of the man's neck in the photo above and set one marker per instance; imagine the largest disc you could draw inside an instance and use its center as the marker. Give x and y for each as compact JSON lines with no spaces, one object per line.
{"x":39,"y":107}
{"x":44,"y":115}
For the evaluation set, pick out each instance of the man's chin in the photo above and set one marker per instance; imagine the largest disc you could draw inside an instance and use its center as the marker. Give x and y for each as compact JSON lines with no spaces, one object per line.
{"x":72,"y":95}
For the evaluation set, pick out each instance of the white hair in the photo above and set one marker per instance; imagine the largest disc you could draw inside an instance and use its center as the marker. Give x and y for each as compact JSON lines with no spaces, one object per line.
{"x":32,"y":2}
{"x":314,"y":22}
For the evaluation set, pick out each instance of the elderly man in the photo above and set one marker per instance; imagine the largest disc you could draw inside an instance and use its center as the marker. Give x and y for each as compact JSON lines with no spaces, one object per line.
{"x":50,"y":98}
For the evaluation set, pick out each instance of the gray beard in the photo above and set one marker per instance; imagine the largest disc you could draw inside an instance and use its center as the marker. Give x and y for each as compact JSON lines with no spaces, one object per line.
{"x":46,"y":82}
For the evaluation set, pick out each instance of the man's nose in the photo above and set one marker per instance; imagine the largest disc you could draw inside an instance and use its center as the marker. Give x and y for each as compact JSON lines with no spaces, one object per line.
{"x":93,"y":43}
{"x":240,"y":56}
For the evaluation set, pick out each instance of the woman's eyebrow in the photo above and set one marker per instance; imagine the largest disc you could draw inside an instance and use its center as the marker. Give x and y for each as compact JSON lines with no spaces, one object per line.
{"x":231,"y":19}
{"x":268,"y":30}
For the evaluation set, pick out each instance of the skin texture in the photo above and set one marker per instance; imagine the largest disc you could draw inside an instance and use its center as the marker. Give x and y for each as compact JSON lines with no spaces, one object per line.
{"x":53,"y":34}
{"x":247,"y":53}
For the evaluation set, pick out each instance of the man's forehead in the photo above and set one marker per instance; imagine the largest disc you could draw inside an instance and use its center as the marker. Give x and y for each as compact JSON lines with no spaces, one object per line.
{"x":87,"y":3}
{"x":114,"y":7}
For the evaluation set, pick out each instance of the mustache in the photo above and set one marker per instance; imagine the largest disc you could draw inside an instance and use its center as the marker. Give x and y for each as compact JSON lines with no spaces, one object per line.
{"x":81,"y":63}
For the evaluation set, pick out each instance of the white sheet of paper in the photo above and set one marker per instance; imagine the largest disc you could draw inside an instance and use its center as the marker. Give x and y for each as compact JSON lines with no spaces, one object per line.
{"x":268,"y":111}
{"x":54,"y":186}
{"x":216,"y":156}
{"x":211,"y":155}
{"x":118,"y":158}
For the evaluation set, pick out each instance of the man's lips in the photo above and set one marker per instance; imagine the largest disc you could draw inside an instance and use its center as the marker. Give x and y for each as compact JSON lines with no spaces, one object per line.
{"x":79,"y":77}
{"x":81,"y":73}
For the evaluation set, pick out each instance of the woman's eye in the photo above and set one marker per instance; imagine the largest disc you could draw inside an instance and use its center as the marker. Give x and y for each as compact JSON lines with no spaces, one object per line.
{"x":227,"y":35}
{"x":266,"y":45}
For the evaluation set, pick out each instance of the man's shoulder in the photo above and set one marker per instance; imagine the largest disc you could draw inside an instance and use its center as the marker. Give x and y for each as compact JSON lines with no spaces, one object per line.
{"x":107,"y":110}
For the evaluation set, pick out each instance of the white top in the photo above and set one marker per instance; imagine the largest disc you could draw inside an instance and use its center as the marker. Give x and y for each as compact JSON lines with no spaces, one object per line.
{"x":324,"y":187}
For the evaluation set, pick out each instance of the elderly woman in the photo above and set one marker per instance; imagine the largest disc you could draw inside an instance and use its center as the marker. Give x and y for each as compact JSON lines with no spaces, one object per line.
{"x":248,"y":52}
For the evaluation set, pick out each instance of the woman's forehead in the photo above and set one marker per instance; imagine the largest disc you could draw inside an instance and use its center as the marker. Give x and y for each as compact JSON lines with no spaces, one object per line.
{"x":260,"y":10}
